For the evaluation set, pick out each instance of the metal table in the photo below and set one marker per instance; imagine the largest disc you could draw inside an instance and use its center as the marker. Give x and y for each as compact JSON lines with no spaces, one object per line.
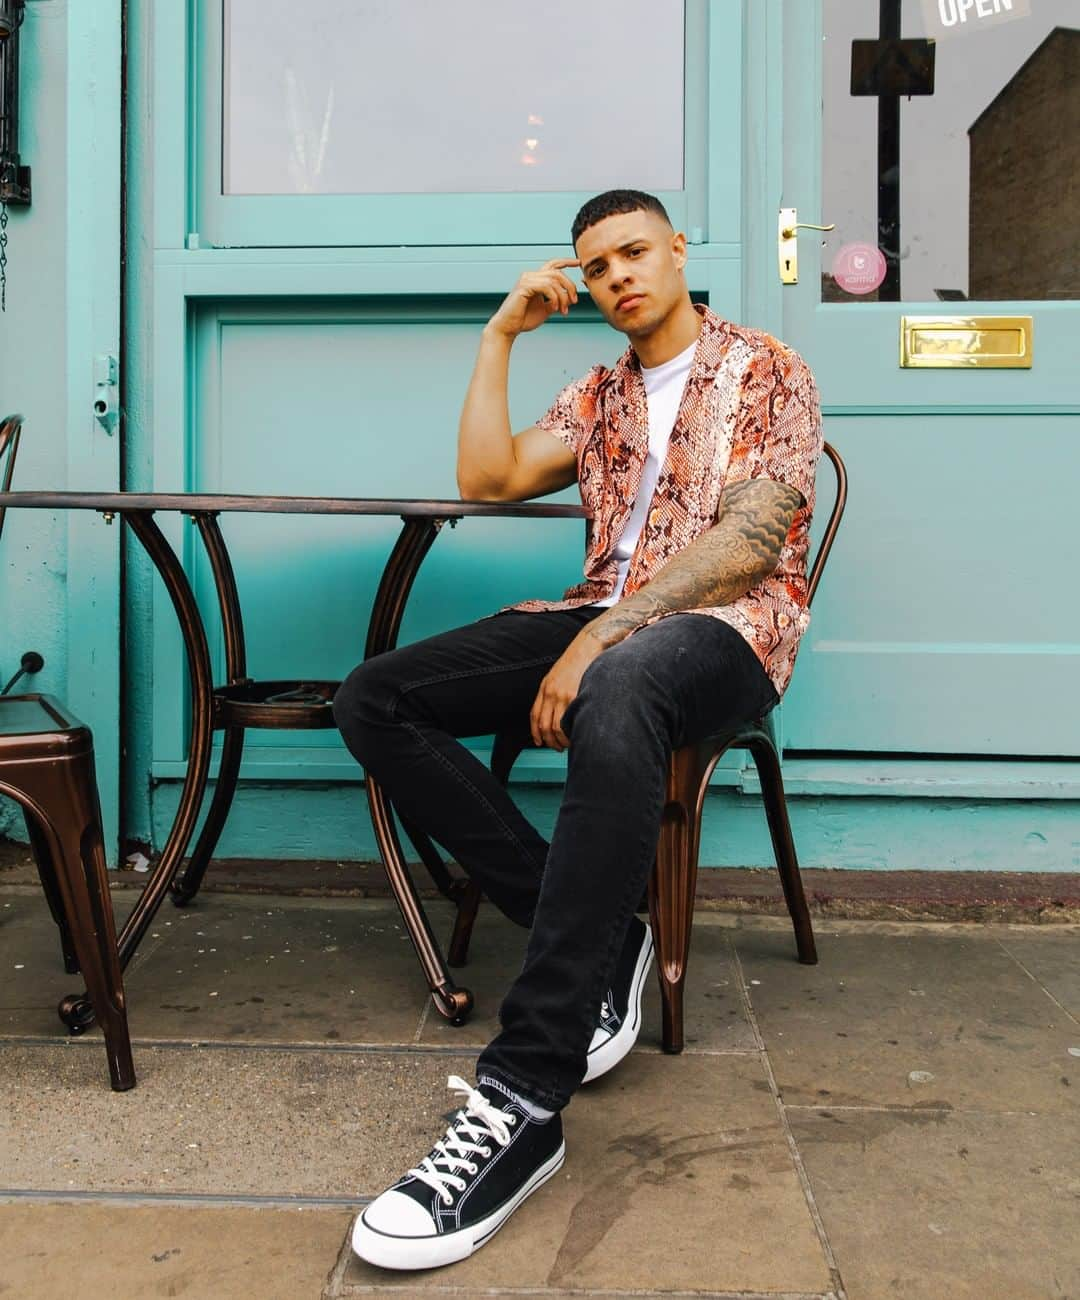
{"x":241,"y":702}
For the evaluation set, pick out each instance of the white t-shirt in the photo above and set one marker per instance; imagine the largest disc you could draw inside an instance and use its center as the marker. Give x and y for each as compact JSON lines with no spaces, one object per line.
{"x":664,"y":387}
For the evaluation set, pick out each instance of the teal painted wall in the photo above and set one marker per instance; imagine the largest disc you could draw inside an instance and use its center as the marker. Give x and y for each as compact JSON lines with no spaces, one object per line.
{"x":312,"y":804}
{"x":33,"y":550}
{"x":330,"y":821}
{"x":59,"y":575}
{"x":202,"y":322}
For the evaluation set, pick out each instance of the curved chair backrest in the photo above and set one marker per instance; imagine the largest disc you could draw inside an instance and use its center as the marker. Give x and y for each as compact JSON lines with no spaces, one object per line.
{"x":9,"y":444}
{"x":818,"y":567}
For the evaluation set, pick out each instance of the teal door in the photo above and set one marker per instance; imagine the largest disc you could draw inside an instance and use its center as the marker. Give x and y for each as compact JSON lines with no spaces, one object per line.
{"x":59,"y":352}
{"x":339,"y":205}
{"x":947,"y":623}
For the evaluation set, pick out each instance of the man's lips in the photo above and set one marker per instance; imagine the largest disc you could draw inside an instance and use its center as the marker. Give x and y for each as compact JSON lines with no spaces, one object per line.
{"x":629,"y":302}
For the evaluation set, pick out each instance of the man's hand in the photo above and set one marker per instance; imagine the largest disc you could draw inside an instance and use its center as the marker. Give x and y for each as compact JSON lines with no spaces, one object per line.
{"x":558,"y":689}
{"x":536,"y":296}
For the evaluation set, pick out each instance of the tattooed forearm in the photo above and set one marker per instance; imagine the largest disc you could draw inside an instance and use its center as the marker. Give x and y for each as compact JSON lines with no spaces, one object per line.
{"x":718,"y":567}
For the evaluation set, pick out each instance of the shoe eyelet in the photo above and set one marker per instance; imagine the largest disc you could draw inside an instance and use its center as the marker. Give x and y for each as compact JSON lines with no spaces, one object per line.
{"x":472,"y":1168}
{"x":511,"y":1121}
{"x":485,"y":1152}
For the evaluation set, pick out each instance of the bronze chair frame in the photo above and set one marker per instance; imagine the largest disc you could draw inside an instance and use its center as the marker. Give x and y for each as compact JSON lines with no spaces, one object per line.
{"x":10,"y":429}
{"x":47,"y":767}
{"x":673,"y":881}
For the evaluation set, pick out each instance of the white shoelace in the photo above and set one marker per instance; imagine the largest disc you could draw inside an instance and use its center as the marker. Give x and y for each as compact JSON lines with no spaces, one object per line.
{"x":452,"y":1153}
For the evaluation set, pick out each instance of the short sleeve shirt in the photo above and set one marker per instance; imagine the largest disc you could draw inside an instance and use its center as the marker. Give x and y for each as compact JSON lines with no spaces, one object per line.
{"x":750,"y":410}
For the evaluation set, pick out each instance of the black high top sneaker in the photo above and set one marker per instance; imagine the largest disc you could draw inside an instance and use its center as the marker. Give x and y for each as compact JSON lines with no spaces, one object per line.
{"x":493,"y":1155}
{"x":620,"y":1011}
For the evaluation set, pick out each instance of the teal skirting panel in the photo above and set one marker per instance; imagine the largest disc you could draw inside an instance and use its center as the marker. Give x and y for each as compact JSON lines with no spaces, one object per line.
{"x":870,"y":833}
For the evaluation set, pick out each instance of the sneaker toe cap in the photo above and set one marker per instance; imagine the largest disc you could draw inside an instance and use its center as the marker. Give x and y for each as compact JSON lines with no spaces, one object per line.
{"x":599,"y":1038}
{"x":396,"y":1215}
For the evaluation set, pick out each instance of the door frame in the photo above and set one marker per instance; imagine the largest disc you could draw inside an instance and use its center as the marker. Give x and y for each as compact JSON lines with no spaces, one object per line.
{"x":92,"y":329}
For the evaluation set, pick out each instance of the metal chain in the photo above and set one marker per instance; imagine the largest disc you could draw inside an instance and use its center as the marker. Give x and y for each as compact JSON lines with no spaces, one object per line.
{"x":3,"y":256}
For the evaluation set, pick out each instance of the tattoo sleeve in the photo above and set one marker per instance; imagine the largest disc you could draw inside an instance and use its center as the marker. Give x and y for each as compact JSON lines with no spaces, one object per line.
{"x":719,"y":566}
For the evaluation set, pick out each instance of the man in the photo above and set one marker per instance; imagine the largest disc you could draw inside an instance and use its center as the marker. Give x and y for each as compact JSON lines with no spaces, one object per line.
{"x":696,"y":454}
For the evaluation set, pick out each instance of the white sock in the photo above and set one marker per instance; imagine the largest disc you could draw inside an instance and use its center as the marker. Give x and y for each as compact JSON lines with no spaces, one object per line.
{"x":529,"y":1107}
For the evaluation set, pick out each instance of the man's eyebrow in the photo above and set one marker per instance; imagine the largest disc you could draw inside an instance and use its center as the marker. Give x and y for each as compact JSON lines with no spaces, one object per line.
{"x":621,"y":249}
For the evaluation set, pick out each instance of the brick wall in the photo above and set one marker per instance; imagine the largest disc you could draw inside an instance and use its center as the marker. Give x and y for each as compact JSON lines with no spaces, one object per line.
{"x":1025,"y":180}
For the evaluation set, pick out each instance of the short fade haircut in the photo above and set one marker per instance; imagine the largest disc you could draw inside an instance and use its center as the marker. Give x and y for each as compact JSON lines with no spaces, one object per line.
{"x":613,"y":203}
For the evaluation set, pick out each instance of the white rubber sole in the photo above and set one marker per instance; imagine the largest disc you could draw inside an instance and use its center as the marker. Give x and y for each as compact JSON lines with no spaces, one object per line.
{"x":388,"y":1251}
{"x":607,"y":1056}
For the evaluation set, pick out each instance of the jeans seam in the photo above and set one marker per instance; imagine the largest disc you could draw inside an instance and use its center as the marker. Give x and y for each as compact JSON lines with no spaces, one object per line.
{"x":451,"y":767}
{"x":539,"y":1096}
{"x":479,"y":794}
{"x":473,"y":672}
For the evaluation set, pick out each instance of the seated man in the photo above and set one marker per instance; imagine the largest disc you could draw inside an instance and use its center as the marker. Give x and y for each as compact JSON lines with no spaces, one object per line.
{"x":696,"y":454}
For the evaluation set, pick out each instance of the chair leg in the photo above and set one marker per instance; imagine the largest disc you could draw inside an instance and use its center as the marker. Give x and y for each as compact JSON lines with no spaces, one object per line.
{"x":39,"y":843}
{"x":772,"y":792}
{"x":186,"y":885}
{"x":462,"y":892}
{"x":673,"y":881}
{"x":467,"y":895}
{"x":71,"y":817}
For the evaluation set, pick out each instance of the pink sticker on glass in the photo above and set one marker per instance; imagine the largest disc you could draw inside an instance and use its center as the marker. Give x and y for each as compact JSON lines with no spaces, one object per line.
{"x":859,"y":268}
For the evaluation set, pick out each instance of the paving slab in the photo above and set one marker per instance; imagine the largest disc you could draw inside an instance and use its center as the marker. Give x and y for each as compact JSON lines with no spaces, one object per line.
{"x":34,"y":979}
{"x":715,"y":1019}
{"x":922,"y":1020}
{"x":678,"y":1178}
{"x":969,"y":1207}
{"x":236,"y":968}
{"x":234,"y":1121}
{"x":98,"y":1251}
{"x":1051,"y":958}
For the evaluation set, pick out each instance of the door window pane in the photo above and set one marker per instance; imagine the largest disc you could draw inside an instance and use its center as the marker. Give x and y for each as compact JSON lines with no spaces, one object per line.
{"x":989,"y":162}
{"x":451,"y":96}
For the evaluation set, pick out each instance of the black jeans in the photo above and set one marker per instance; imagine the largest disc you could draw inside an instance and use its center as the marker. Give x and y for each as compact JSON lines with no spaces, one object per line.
{"x":666,"y":685}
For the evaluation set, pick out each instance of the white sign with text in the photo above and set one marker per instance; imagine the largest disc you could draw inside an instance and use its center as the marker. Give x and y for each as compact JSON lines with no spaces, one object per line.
{"x":954,"y":17}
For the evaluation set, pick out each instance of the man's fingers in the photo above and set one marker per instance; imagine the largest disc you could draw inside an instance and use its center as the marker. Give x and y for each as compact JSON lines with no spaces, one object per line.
{"x":549,"y":290}
{"x":555,"y":293}
{"x":551,"y":725}
{"x":570,"y":286}
{"x":543,"y":726}
{"x":564,"y":292}
{"x":564,"y":288}
{"x":539,"y":720}
{"x":557,"y":296}
{"x":535,"y":714}
{"x":558,"y":736}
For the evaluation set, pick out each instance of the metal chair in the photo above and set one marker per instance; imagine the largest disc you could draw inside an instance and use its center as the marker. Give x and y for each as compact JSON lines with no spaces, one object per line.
{"x":10,"y":429}
{"x":47,"y":767}
{"x":674,"y":877}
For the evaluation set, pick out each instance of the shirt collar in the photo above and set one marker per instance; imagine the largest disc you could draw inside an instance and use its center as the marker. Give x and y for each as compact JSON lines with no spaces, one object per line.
{"x":711,"y":346}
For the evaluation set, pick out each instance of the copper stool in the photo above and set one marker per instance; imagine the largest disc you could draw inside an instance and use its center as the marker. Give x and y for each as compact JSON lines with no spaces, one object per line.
{"x":47,"y":766}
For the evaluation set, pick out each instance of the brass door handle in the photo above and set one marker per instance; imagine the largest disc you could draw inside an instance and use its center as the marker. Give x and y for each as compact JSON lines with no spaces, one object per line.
{"x":787,"y":243}
{"x":804,"y":225}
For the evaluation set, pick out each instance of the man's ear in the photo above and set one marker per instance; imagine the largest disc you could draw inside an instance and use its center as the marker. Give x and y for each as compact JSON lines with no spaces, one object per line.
{"x":678,"y":247}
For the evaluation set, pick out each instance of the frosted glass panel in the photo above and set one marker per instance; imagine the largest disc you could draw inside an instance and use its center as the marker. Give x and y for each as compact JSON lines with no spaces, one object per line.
{"x":452,"y":96}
